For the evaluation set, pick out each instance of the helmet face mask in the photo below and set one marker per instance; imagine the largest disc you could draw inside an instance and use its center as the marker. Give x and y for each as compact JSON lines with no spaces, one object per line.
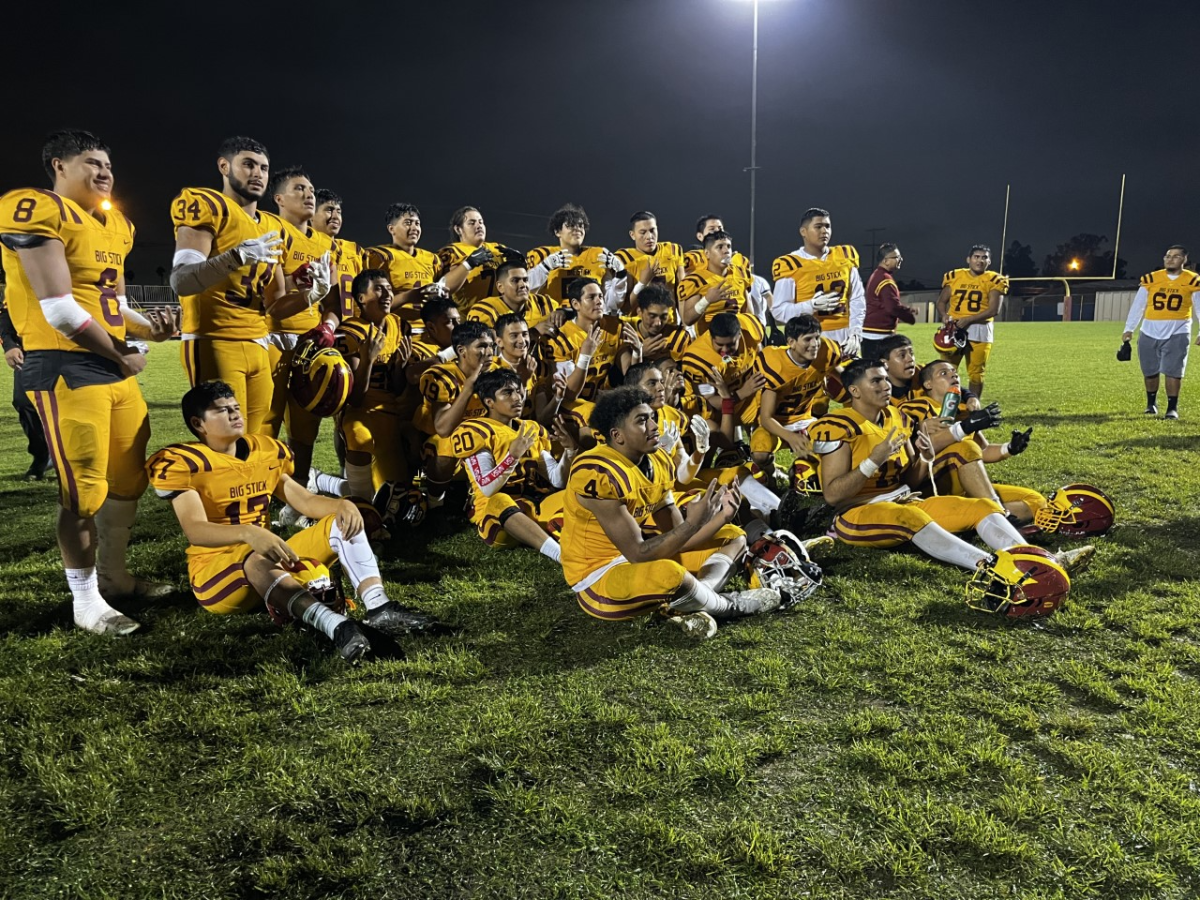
{"x":1022,"y":582}
{"x":805,"y":479}
{"x":1077,"y":510}
{"x":950,"y":338}
{"x":779,"y":561}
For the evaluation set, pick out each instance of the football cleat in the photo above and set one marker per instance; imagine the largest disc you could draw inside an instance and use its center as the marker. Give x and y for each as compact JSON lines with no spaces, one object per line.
{"x":1077,"y":560}
{"x":754,"y":601}
{"x":109,"y":621}
{"x":394,"y":619}
{"x":1150,"y":410}
{"x":698,"y":626}
{"x":1077,"y":510}
{"x":1022,"y":582}
{"x":139,"y":589}
{"x":1171,"y":414}
{"x":351,"y":643}
{"x":779,"y":560}
{"x":320,"y":380}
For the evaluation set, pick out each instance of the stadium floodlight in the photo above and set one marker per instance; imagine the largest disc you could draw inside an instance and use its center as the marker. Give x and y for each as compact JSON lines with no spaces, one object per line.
{"x":1073,"y":265}
{"x":106,"y":205}
{"x":753,"y":168}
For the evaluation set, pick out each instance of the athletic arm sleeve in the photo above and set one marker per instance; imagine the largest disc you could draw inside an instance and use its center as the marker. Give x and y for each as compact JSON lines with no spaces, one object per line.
{"x":556,"y":469}
{"x":488,"y":476}
{"x":192,"y":273}
{"x":858,"y":303}
{"x":1137,"y":310}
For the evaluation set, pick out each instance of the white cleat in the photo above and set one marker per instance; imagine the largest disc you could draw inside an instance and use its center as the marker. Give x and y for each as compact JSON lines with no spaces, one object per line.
{"x":819,"y":546}
{"x":699,"y":626}
{"x":1077,"y":560}
{"x":103,"y":619}
{"x":754,"y":601}
{"x":134,"y":589}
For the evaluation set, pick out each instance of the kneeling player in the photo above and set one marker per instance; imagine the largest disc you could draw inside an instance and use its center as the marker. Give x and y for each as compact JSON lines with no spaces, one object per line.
{"x":515,"y":482}
{"x":868,"y":470}
{"x":621,"y":490}
{"x":233,"y":560}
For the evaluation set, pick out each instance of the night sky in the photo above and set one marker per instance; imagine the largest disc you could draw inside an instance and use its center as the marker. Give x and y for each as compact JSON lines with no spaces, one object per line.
{"x":909,"y":117}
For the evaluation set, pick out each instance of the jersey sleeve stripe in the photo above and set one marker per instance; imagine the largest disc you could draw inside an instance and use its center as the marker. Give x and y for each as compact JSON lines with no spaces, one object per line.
{"x":193,"y":458}
{"x":62,"y":209}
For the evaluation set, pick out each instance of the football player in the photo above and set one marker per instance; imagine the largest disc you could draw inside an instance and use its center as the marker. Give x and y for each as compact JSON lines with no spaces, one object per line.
{"x":884,"y":308}
{"x":468,"y":266}
{"x":585,"y":349}
{"x":348,"y":257}
{"x":226,"y":271}
{"x":869,"y":468}
{"x":648,"y":260}
{"x":716,"y":287}
{"x":234,"y":561}
{"x":661,"y":339}
{"x":695,"y":258}
{"x":674,"y":426}
{"x":513,"y":284}
{"x":1164,"y":305}
{"x":64,"y":252}
{"x":823,"y":281}
{"x":31,"y":425}
{"x":516,"y":483}
{"x":553,"y":268}
{"x":449,"y":396}
{"x":411,"y":270}
{"x":729,"y":346}
{"x":794,"y":395}
{"x":516,"y":352}
{"x":308,"y":259}
{"x":971,"y":299}
{"x":623,"y":488}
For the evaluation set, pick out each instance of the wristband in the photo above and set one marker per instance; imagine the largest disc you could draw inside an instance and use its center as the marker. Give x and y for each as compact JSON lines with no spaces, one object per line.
{"x":868,"y":468}
{"x":728,"y":406}
{"x":638,"y":288}
{"x":447,"y":354}
{"x":701,"y":305}
{"x":584,"y":361}
{"x":956,"y":431}
{"x":1005,"y":453}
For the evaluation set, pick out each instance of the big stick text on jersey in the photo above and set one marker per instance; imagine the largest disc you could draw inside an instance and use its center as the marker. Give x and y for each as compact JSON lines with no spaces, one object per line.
{"x":1170,"y":298}
{"x":969,"y":292}
{"x":815,"y":276}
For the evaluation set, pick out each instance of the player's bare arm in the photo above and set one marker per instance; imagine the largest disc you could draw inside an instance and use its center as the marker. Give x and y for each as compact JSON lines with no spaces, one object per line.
{"x":200,"y":532}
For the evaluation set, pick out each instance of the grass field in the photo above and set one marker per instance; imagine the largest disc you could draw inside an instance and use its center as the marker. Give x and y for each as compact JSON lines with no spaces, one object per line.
{"x":882,"y":741}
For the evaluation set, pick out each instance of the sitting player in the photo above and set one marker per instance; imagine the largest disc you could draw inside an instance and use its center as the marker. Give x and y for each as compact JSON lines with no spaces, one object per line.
{"x":512,"y":285}
{"x":584,"y":350}
{"x":449,"y":392}
{"x":674,"y":427}
{"x":234,"y":562}
{"x":869,"y":468}
{"x":661,"y":339}
{"x":468,"y":266}
{"x":729,"y":347}
{"x":516,"y":484}
{"x":719,"y":286}
{"x":794,"y":394}
{"x":516,"y":352}
{"x":961,"y":448}
{"x":623,"y":488}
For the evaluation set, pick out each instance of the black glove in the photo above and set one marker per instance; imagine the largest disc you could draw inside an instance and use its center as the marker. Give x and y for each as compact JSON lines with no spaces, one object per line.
{"x":512,"y":256}
{"x":1125,"y":353}
{"x":988,"y":417}
{"x":480,"y":257}
{"x":1020,"y":441}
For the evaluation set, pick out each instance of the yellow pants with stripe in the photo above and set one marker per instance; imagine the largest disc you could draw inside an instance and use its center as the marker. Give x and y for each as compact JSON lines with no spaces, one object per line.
{"x":490,"y":514}
{"x":302,"y":426}
{"x":890,"y":524}
{"x":244,"y":365}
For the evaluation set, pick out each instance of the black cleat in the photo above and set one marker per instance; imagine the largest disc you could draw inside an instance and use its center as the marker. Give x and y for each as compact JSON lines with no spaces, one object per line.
{"x":351,"y":643}
{"x":395,"y":620}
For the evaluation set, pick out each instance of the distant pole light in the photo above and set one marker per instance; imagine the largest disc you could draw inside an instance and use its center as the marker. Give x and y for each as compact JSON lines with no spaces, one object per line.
{"x":1074,"y":265}
{"x":106,"y":205}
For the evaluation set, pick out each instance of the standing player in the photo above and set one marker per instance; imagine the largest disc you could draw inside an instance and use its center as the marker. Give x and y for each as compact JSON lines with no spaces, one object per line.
{"x":65,"y":253}
{"x":884,"y":308}
{"x":553,"y":268}
{"x":468,"y":266}
{"x":649,"y":260}
{"x":516,"y":484}
{"x":347,"y":257}
{"x":619,"y":494}
{"x":1164,"y":305}
{"x":720,"y":285}
{"x":411,"y":270}
{"x":971,"y":299}
{"x":226,"y":272}
{"x":234,"y":562}
{"x":823,"y":281}
{"x":307,"y":257}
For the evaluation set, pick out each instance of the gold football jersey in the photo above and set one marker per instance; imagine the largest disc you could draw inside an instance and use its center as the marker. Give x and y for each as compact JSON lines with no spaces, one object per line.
{"x":538,"y":310}
{"x":797,"y":388}
{"x":441,"y":384}
{"x":300,"y":247}
{"x":1167,"y":298}
{"x":701,"y":356}
{"x":234,"y":491}
{"x":232,"y":308}
{"x":483,"y":434}
{"x":815,"y":276}
{"x":584,"y":264}
{"x":352,"y":334}
{"x":668,"y":255}
{"x":848,"y":426}
{"x":603,"y":473}
{"x":347,"y":263}
{"x":703,"y":280}
{"x":969,"y":292}
{"x":95,"y":247}
{"x":406,"y":271}
{"x":564,"y":347}
{"x":481,"y":281}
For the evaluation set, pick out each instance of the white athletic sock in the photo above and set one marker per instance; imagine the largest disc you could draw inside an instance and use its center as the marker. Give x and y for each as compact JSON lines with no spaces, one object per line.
{"x":322,"y":618}
{"x":114,"y":525}
{"x":374,"y":596}
{"x":715,"y":571}
{"x":552,"y":549}
{"x":998,"y":533}
{"x":701,"y":598}
{"x":355,"y":555}
{"x":941,"y":544}
{"x":761,"y":498}
{"x":359,"y":482}
{"x":333,"y":485}
{"x":87,"y":604}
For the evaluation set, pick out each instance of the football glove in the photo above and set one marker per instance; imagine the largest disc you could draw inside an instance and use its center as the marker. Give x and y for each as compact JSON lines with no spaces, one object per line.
{"x":700,"y":434}
{"x":556,"y":260}
{"x":668,"y":438}
{"x":988,"y":417}
{"x":610,"y":261}
{"x":1126,"y":352}
{"x":321,"y":273}
{"x":480,"y":257}
{"x":1020,"y":441}
{"x":267,"y":248}
{"x":826,"y":302}
{"x":512,"y":256}
{"x":852,"y":346}
{"x":322,"y":336}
